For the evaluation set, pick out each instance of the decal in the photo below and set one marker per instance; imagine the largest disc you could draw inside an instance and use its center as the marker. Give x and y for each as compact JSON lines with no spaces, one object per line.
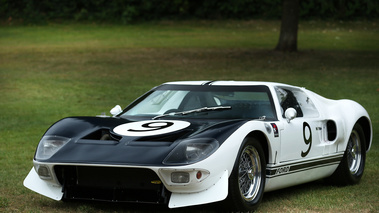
{"x":307,"y":135}
{"x":275,"y":129}
{"x":150,"y":128}
{"x":153,"y":126}
{"x":282,"y":170}
{"x":276,"y":171}
{"x":157,"y":182}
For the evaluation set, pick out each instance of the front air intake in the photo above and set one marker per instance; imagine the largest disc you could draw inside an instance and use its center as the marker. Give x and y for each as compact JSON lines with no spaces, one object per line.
{"x":114,"y":184}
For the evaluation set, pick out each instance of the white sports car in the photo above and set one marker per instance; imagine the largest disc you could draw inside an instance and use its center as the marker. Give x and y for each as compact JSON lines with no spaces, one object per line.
{"x":197,"y":142}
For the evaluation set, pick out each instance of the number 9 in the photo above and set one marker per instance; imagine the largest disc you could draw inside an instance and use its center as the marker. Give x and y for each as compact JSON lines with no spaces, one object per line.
{"x":153,"y":126}
{"x":307,"y":140}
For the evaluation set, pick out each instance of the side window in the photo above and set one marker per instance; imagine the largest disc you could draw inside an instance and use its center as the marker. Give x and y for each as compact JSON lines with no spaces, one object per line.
{"x":297,"y":99}
{"x":287,"y":100}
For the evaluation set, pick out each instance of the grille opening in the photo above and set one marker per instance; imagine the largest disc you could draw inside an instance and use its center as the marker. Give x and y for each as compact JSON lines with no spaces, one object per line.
{"x":111,"y":184}
{"x":332,"y":130}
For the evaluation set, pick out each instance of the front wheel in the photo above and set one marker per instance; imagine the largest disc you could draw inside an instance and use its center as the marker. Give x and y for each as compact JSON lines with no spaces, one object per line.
{"x":247,"y":181}
{"x":352,"y":165}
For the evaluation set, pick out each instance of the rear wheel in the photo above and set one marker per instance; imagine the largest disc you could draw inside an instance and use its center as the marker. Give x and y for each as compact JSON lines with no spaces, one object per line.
{"x":352,"y":165}
{"x":247,"y":181}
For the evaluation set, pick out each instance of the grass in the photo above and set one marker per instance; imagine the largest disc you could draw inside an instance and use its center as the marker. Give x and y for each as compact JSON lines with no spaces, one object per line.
{"x":53,"y":71}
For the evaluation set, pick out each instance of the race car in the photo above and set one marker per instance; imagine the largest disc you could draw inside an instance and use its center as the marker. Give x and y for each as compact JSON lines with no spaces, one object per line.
{"x":197,"y":142}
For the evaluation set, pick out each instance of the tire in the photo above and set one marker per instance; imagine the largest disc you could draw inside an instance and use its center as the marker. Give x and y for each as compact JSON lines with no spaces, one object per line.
{"x":351,"y":167}
{"x":247,"y":181}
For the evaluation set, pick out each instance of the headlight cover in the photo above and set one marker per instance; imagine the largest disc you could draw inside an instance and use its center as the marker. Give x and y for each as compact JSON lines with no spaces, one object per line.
{"x":49,"y":145}
{"x":192,"y":151}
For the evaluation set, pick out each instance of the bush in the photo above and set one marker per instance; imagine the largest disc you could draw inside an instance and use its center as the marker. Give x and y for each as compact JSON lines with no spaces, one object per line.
{"x":126,"y":11}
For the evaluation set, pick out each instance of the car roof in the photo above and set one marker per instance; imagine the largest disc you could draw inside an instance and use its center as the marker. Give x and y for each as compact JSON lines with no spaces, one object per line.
{"x":229,"y":83}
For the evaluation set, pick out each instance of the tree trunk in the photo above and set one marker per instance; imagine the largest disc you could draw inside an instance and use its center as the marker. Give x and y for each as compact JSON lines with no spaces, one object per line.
{"x":288,"y":29}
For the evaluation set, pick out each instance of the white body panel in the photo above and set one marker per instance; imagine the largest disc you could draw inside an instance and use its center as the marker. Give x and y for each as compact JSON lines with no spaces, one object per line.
{"x":217,"y":192}
{"x":48,"y":189}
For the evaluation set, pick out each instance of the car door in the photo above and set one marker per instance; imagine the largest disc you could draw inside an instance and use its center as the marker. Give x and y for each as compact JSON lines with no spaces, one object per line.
{"x":300,"y":137}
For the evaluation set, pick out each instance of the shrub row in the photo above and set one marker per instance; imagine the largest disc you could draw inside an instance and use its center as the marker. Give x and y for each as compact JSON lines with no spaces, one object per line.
{"x":125,"y":11}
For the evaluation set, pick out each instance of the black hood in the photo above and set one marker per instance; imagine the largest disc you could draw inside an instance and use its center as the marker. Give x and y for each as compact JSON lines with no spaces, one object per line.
{"x":93,"y":140}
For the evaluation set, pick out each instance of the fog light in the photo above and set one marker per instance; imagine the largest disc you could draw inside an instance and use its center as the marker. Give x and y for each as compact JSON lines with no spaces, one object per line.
{"x":180,"y":177}
{"x":43,"y":172}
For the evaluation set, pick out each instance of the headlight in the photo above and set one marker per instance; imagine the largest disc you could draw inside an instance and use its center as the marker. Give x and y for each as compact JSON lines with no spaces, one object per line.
{"x":49,"y":145}
{"x":191,"y":151}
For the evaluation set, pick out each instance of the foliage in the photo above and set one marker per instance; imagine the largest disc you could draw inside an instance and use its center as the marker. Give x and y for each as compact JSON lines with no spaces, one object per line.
{"x":339,"y":9}
{"x":126,"y":11}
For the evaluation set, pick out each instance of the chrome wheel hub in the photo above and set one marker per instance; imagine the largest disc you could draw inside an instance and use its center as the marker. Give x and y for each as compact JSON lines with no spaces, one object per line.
{"x":354,"y":152}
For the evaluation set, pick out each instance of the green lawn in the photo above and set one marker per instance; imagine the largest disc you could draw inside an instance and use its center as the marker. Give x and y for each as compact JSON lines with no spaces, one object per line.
{"x":53,"y":71}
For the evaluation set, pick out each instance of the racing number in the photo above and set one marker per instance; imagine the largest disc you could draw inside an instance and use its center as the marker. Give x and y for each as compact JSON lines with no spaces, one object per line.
{"x":307,"y":141}
{"x":153,"y":126}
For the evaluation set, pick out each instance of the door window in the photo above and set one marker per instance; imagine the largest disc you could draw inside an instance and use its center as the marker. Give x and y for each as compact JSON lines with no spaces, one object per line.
{"x":297,"y":99}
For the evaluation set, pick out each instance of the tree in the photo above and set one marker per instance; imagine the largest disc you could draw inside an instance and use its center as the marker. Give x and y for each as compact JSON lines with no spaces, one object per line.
{"x":289,"y":26}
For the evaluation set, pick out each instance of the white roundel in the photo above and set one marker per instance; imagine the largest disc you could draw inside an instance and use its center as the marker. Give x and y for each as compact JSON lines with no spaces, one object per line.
{"x":149,"y":128}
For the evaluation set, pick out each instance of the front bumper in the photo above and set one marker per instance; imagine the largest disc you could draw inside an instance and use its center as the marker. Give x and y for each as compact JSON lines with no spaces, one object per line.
{"x":127,"y":184}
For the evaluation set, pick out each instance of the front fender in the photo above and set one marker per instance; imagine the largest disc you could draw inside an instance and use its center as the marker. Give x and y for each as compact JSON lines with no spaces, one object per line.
{"x":80,"y":126}
{"x":215,"y":187}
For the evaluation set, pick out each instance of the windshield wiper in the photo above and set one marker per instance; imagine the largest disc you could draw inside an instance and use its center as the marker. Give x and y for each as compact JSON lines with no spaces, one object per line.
{"x":203,"y":109}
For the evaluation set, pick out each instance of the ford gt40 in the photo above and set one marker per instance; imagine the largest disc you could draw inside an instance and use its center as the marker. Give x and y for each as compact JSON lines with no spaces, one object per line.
{"x":197,"y":142}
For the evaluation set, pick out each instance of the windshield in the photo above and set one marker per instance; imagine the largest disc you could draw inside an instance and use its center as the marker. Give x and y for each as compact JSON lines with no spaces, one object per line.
{"x":229,"y":102}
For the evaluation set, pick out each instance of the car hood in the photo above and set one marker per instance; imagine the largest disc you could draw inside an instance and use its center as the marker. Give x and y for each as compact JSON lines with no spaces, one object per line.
{"x":98,"y":140}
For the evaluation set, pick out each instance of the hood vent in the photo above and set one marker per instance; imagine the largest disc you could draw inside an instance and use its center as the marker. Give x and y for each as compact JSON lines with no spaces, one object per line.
{"x":102,"y":135}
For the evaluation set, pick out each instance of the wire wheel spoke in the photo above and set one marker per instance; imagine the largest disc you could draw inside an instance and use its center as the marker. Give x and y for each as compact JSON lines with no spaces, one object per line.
{"x":249,"y":175}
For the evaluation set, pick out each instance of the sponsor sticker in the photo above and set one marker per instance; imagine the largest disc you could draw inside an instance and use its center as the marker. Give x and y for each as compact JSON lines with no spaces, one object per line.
{"x":275,"y":129}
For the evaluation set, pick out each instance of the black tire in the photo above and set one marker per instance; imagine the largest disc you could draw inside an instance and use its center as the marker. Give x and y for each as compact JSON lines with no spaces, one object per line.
{"x":352,"y":165}
{"x":247,"y":181}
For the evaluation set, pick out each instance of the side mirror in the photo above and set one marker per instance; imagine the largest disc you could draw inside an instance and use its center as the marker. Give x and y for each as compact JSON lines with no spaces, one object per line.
{"x":290,"y":114}
{"x":116,"y":110}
